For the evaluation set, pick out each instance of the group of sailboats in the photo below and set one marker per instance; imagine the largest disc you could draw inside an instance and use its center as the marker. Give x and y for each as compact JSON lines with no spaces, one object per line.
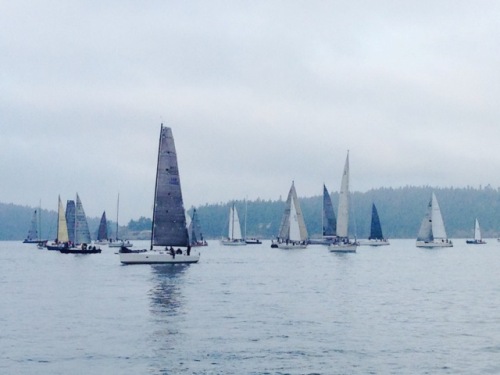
{"x":293,"y":231}
{"x":75,"y":237}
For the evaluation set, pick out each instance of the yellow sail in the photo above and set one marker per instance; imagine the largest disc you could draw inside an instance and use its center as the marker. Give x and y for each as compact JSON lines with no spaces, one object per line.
{"x":62,"y":227}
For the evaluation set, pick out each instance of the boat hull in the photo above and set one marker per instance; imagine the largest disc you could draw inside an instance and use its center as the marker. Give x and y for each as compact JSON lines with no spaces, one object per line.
{"x":253,"y":242}
{"x":157,"y":257}
{"x":120,"y":244}
{"x":475,"y":242}
{"x":374,"y":243}
{"x":291,"y":246}
{"x":233,"y":243}
{"x":431,"y":245}
{"x":343,"y":248}
{"x":80,"y":251}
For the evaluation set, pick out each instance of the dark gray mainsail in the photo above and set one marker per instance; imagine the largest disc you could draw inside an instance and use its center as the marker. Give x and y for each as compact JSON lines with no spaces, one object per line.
{"x":70,"y":219}
{"x":329,"y":220}
{"x":169,"y":219}
{"x":102,"y":233}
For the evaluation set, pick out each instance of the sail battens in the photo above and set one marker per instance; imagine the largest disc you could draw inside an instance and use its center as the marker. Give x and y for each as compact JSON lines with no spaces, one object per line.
{"x":82,"y":232}
{"x":169,"y":219}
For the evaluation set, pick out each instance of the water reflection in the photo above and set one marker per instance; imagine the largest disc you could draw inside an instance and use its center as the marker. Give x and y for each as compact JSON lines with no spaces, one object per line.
{"x":166,"y":292}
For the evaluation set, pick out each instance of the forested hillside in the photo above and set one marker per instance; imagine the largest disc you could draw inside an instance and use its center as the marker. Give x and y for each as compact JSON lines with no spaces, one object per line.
{"x":400,"y":209}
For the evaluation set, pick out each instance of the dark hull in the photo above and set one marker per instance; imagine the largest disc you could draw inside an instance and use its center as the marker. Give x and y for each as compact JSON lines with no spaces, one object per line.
{"x":475,"y":242}
{"x":80,"y":251}
{"x":253,"y":242}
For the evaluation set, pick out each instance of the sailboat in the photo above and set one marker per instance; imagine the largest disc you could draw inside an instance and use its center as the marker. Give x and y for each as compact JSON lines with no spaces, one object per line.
{"x":169,"y":219}
{"x":478,"y":239}
{"x":329,"y":223}
{"x":342,"y":243}
{"x":376,"y":237}
{"x":34,"y":232}
{"x":62,"y":239}
{"x":82,"y":240}
{"x":194,"y":231}
{"x":234,"y":237}
{"x":432,"y":232}
{"x":102,"y":232}
{"x":118,"y":242}
{"x":293,"y":231}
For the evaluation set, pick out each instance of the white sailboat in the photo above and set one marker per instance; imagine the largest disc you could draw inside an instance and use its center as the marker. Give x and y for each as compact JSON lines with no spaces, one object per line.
{"x":342,"y":243}
{"x":62,"y":239}
{"x":432,"y":232}
{"x":34,"y":232}
{"x":293,"y":231}
{"x":169,"y":219}
{"x":234,"y":237}
{"x":478,"y":238}
{"x":119,"y":242}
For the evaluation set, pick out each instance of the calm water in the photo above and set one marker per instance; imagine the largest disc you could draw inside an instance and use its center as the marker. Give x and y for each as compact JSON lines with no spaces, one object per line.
{"x":253,"y":310}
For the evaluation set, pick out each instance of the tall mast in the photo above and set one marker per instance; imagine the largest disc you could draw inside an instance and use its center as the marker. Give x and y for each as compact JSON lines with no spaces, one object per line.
{"x":156,"y":188}
{"x":117,"y":210}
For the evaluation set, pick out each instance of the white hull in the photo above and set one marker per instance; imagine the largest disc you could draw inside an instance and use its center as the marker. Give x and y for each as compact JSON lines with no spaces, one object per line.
{"x":233,"y":242}
{"x":120,"y":244}
{"x":436,"y":243}
{"x":343,"y":248}
{"x":158,"y":257}
{"x":374,"y":243}
{"x":290,"y":246}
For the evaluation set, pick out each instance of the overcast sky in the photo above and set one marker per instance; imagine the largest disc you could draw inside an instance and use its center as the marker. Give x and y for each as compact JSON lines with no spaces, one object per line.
{"x":257,"y":93}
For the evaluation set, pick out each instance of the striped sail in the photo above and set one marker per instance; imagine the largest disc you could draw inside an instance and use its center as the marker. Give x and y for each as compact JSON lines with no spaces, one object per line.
{"x":169,"y":219}
{"x":82,"y":233}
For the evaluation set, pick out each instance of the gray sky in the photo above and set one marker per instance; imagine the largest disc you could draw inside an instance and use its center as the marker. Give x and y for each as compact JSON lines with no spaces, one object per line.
{"x":258,"y":93}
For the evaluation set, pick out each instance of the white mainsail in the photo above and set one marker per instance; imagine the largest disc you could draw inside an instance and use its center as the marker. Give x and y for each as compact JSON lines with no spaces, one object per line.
{"x":343,"y":212}
{"x":438,"y":230}
{"x":477,"y":232}
{"x":234,"y":230}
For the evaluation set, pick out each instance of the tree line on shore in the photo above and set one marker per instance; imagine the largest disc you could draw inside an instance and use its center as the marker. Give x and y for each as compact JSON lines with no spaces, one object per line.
{"x":400,"y":209}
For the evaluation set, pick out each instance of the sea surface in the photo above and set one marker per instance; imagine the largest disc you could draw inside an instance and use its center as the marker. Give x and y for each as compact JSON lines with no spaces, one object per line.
{"x":396,"y":309}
